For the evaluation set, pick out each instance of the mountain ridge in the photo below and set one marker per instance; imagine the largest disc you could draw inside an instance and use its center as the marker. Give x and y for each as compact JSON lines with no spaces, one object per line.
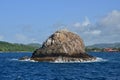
{"x":105,"y":45}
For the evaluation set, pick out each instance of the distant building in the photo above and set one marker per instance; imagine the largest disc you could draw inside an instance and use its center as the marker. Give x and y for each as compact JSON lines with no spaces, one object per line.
{"x":110,"y":50}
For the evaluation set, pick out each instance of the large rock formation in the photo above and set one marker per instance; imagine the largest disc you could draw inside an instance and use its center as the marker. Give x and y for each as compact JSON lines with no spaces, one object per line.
{"x":62,"y":45}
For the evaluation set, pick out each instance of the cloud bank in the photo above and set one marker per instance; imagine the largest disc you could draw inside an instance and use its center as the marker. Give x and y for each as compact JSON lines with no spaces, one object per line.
{"x":105,"y":30}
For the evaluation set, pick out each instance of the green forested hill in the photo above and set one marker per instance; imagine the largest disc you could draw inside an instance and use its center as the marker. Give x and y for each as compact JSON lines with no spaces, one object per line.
{"x":6,"y":46}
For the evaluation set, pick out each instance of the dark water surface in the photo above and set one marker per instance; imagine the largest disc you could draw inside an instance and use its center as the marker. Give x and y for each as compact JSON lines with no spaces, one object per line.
{"x":13,"y":69}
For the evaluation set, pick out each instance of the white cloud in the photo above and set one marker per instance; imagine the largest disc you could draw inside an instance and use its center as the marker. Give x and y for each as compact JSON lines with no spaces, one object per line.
{"x":77,"y":24}
{"x":85,"y":23}
{"x":105,"y":30}
{"x":110,"y":24}
{"x":111,"y":19}
{"x":86,"y":28}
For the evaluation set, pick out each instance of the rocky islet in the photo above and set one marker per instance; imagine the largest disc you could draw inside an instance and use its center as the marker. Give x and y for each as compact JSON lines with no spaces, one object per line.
{"x":62,"y":45}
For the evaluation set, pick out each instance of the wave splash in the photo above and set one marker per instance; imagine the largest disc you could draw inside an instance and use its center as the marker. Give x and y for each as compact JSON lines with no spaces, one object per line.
{"x":29,"y":60}
{"x":59,"y":60}
{"x":26,"y":60}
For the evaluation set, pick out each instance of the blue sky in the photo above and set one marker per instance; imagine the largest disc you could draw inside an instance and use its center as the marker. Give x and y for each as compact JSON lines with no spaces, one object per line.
{"x":27,"y":21}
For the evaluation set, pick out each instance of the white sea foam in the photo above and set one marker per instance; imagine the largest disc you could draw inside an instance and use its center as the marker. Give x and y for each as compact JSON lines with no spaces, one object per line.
{"x":26,"y":60}
{"x":99,"y":59}
{"x":95,"y":60}
{"x":80,"y":61}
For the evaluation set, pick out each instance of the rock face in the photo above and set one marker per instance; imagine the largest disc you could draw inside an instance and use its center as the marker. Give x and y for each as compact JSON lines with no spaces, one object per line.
{"x":63,"y":45}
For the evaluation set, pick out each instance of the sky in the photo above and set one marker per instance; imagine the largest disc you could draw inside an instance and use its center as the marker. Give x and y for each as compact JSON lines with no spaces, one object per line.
{"x":33,"y":21}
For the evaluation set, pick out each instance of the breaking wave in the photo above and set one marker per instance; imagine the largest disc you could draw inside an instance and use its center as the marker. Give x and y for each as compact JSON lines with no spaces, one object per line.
{"x":82,"y":61}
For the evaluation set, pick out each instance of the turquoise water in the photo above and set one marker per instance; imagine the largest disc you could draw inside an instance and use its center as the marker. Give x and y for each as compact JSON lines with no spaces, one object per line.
{"x":107,"y":68}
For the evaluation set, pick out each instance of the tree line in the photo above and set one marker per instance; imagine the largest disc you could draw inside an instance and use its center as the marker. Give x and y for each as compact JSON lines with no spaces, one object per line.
{"x":5,"y":46}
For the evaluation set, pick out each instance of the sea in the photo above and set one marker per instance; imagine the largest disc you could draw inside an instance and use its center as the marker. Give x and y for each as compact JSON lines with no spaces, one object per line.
{"x":106,"y":67}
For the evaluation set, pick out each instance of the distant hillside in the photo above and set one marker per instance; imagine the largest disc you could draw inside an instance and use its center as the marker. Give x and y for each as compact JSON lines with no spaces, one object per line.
{"x":105,"y":45}
{"x":6,"y":46}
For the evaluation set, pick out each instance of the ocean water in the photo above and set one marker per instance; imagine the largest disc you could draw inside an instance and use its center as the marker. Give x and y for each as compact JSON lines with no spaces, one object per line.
{"x":106,"y":67}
